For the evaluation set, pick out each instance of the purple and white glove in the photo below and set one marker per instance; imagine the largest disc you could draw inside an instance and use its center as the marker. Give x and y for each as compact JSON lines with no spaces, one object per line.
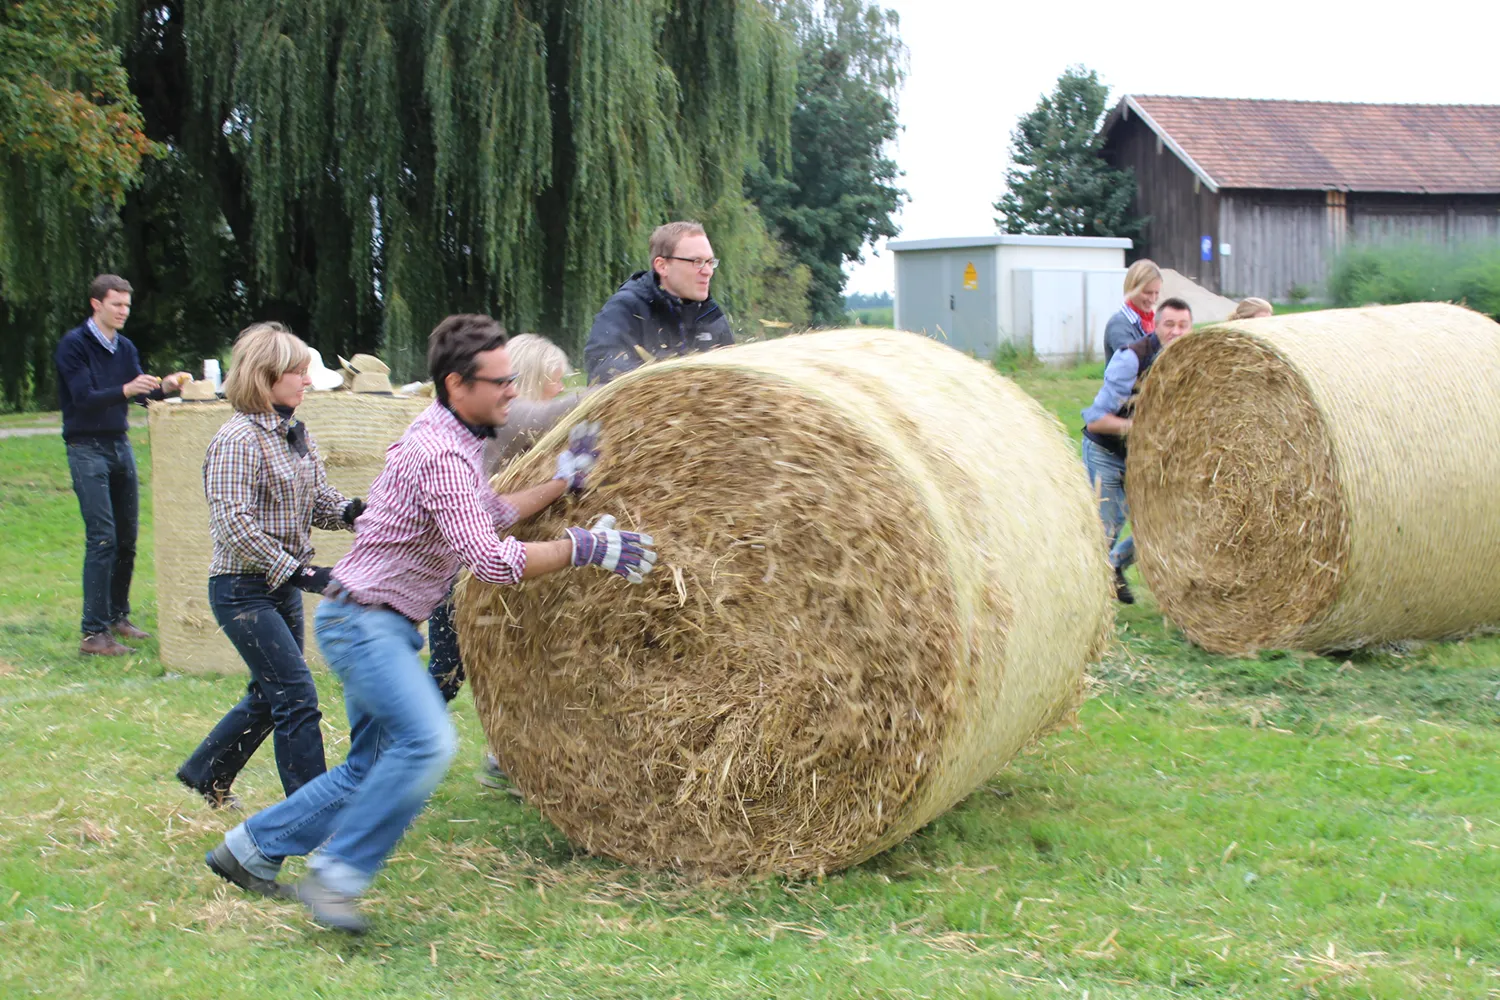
{"x":582,"y":454}
{"x":624,"y":553}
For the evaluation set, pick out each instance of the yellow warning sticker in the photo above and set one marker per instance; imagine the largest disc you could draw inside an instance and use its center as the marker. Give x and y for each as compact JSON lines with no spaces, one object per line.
{"x":971,"y":277}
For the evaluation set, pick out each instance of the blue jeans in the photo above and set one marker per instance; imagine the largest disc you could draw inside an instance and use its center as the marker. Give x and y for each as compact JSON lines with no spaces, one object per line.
{"x":265,"y":625}
{"x":1107,"y":476}
{"x":103,"y":470}
{"x":445,"y":663}
{"x":400,"y":745}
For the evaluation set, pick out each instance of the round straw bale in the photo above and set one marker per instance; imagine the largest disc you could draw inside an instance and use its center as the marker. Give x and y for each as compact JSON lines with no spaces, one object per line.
{"x":352,"y":433}
{"x":1322,"y":480}
{"x":881,"y":575}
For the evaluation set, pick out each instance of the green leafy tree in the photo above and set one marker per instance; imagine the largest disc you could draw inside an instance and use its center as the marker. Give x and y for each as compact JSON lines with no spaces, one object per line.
{"x":359,"y":169}
{"x":72,"y":142}
{"x":1058,"y":185}
{"x":838,"y":193}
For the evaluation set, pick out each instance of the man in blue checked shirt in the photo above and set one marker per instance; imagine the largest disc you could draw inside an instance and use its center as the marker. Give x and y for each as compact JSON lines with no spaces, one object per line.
{"x":1106,"y":431}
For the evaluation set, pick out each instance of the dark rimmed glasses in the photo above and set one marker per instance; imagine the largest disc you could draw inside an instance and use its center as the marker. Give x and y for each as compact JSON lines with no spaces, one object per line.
{"x":699,"y":263}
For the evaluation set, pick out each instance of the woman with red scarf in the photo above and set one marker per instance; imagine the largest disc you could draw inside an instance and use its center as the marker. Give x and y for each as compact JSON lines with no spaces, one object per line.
{"x":1137,"y":316}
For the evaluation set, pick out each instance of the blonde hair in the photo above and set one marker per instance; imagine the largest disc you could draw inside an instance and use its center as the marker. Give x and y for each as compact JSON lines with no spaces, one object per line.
{"x":534,"y":359}
{"x":1141,"y":274}
{"x":1251,"y":308}
{"x":263,"y":352}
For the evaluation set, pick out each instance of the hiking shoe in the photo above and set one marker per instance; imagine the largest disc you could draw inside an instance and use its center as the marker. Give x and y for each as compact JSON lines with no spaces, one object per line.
{"x":222,"y":862}
{"x":124,"y":629}
{"x":103,"y":644}
{"x":493,"y":777}
{"x":1123,"y":593}
{"x":217,"y":798}
{"x":328,"y":908}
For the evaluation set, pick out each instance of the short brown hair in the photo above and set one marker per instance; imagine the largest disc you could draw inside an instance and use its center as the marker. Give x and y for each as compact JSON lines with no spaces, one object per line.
{"x":106,"y":283}
{"x":665,"y":238}
{"x":263,"y":352}
{"x":1174,"y":303}
{"x":455,"y":342}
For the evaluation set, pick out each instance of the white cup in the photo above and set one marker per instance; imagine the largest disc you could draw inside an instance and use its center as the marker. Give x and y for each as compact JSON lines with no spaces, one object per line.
{"x":211,"y":371}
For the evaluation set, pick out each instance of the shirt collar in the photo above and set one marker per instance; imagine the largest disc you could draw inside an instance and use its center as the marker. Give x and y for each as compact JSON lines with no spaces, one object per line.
{"x":108,"y":343}
{"x":271,"y":421}
{"x":479,"y":433}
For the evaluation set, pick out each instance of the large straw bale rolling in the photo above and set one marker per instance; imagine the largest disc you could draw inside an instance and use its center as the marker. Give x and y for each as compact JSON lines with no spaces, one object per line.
{"x":352,"y":432}
{"x":1322,"y":480}
{"x":881,"y":575}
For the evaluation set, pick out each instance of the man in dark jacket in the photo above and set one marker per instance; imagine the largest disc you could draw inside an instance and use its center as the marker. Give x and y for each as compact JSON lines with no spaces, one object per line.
{"x":665,"y":312}
{"x":98,"y":376}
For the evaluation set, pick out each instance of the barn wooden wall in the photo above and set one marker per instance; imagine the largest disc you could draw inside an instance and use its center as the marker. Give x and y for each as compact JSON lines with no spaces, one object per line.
{"x":1180,"y":215}
{"x":1277,"y":240}
{"x":1389,"y":218}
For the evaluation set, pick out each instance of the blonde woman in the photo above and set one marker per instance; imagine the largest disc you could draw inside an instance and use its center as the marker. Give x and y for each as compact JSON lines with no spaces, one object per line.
{"x":266,"y":490}
{"x":540,"y":402}
{"x":1137,"y":315}
{"x":1252,"y":308}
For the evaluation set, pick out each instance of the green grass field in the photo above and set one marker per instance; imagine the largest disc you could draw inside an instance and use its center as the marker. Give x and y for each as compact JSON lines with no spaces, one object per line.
{"x":1279,"y":826}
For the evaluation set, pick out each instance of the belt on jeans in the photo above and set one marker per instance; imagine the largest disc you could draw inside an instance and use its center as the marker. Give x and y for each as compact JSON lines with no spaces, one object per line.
{"x":338,"y":592}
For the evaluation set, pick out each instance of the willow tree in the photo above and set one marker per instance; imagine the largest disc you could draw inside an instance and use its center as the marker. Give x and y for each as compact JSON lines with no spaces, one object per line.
{"x":71,"y":143}
{"x":388,"y":162}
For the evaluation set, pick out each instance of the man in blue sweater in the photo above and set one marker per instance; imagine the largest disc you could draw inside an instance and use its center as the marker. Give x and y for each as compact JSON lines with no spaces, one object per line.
{"x":98,"y":376}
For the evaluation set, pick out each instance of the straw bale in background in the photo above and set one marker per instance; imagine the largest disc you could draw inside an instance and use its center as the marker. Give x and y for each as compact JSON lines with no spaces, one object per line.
{"x":1322,"y":480}
{"x":352,"y":433}
{"x":881,"y":575}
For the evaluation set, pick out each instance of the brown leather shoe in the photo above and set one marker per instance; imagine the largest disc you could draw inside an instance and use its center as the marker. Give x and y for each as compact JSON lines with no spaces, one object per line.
{"x":103,"y":644}
{"x":129,"y":631}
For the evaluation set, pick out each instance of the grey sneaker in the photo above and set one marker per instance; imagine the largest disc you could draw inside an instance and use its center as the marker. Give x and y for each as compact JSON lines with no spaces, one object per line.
{"x":222,"y":862}
{"x":330,"y":909}
{"x":493,"y":777}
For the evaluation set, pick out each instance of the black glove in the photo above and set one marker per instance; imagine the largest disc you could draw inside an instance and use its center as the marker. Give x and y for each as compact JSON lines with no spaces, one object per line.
{"x":313,"y":579}
{"x":353,"y":509}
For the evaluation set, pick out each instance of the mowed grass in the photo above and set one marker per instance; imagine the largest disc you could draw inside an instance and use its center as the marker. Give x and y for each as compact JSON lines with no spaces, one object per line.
{"x":1278,"y":826}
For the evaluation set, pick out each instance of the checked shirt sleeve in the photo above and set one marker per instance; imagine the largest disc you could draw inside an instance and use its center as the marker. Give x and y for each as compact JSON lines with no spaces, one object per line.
{"x":501,"y":512}
{"x":467,"y":521}
{"x":229,"y":470}
{"x":329,"y":503}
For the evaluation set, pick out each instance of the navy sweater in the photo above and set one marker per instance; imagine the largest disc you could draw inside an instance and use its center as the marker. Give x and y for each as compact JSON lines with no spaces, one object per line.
{"x":90,"y":381}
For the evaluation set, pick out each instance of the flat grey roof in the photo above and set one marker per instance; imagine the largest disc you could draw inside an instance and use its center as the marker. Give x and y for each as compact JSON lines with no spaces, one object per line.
{"x":959,"y":242}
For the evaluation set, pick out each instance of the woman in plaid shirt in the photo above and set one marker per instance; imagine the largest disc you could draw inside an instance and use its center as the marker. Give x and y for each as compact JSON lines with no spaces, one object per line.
{"x":266,"y":490}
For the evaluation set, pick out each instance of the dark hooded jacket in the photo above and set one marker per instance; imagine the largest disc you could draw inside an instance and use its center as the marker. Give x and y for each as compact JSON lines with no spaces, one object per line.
{"x":644,"y":317}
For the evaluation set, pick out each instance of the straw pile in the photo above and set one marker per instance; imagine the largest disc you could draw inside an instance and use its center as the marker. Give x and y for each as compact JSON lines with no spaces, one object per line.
{"x":881,"y":575}
{"x":1324,"y":480}
{"x":352,"y":433}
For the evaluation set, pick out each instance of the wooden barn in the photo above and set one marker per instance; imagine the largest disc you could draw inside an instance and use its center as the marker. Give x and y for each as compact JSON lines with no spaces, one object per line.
{"x":1253,"y":197}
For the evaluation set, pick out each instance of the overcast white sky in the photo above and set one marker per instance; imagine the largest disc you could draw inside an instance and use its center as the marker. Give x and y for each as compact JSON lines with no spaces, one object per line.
{"x":978,"y":65}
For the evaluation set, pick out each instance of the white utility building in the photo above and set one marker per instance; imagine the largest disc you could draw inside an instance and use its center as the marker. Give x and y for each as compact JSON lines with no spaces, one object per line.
{"x":1048,"y":295}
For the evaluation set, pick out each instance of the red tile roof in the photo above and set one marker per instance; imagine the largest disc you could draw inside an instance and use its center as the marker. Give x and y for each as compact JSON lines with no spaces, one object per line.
{"x":1321,"y":145}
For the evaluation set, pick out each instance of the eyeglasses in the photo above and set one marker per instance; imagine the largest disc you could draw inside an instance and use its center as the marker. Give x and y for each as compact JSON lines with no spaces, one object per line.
{"x":699,"y":263}
{"x":502,"y":382}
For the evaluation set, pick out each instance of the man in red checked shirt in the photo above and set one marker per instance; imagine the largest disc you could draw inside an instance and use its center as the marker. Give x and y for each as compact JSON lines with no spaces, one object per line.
{"x":430,"y":509}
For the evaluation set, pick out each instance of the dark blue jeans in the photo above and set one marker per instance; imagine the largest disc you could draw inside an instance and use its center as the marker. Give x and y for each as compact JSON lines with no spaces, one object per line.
{"x":104,"y":479}
{"x":265,"y":625}
{"x":446,"y":664}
